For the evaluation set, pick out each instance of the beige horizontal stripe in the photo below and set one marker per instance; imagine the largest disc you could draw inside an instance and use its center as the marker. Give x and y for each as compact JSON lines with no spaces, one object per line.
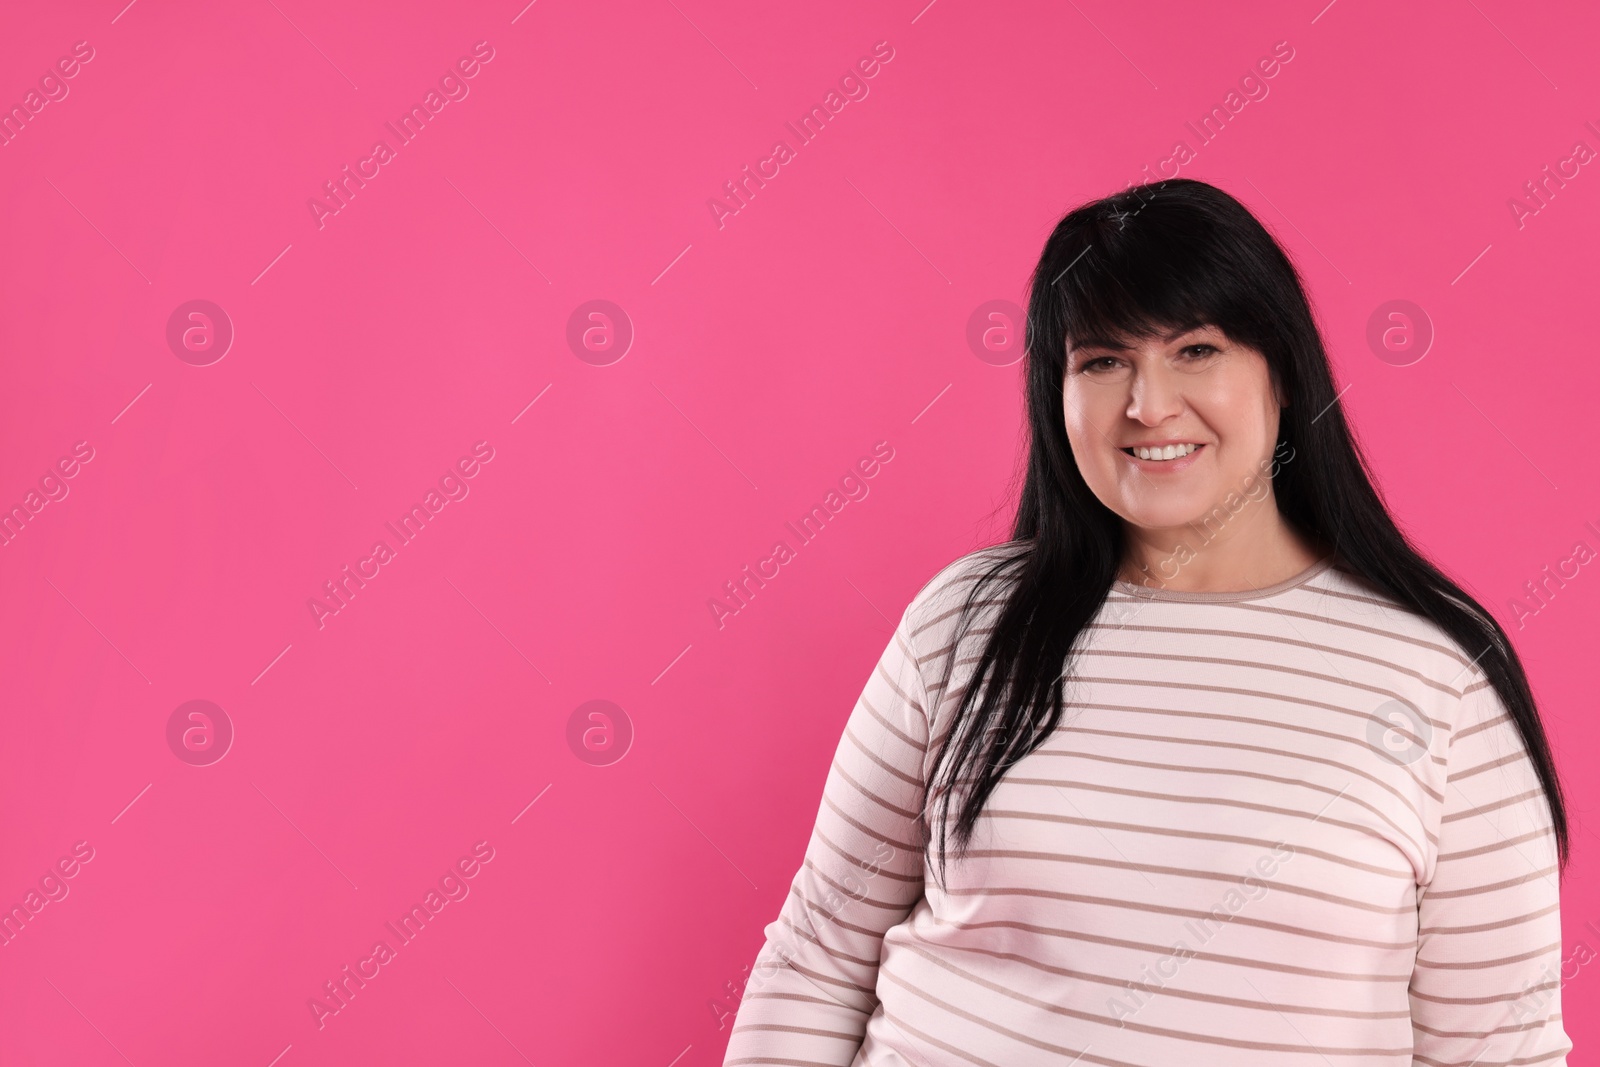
{"x":830,"y":915}
{"x":1472,"y":772}
{"x":1191,"y":686}
{"x":1318,"y":585}
{"x":1504,"y":843}
{"x":1482,"y":809}
{"x":1507,"y":997}
{"x":873,"y":832}
{"x":1183,"y":872}
{"x":1196,"y":835}
{"x":1144,"y":948}
{"x":837,"y":955}
{"x":1479,"y":727}
{"x":910,"y":742}
{"x":1520,"y":1061}
{"x":1474,"y":965}
{"x":888,"y":768}
{"x":1252,"y":635}
{"x":825,"y":979}
{"x":807,"y":1030}
{"x":906,"y":1028}
{"x":1265,"y":695}
{"x":1341,"y":623}
{"x":1238,"y":747}
{"x":861,"y":864}
{"x":1475,"y":890}
{"x":1520,"y":1028}
{"x":1269,"y":724}
{"x":1057,"y":1009}
{"x":1188,"y":801}
{"x":894,"y":906}
{"x":1270,"y":668}
{"x":1165,"y":909}
{"x":1499,"y":924}
{"x":844,"y":776}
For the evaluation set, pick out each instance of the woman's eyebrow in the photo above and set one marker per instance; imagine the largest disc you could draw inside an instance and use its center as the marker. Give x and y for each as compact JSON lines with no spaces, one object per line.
{"x":1123,"y":346}
{"x":1101,"y":342}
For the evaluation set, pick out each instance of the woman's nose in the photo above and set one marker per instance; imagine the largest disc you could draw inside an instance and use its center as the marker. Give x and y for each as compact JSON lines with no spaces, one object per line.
{"x":1154,"y":396}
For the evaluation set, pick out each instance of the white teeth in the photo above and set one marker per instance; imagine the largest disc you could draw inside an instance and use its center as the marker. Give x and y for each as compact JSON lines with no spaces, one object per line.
{"x":1169,"y":452}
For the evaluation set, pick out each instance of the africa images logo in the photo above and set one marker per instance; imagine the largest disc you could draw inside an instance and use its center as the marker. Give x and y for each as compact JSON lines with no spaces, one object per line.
{"x":852,"y":84}
{"x":453,"y":87}
{"x":338,"y":992}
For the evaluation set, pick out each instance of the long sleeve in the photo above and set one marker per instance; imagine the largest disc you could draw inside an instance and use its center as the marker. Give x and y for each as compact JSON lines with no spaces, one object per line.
{"x":812,"y":987}
{"x":1486,"y":988}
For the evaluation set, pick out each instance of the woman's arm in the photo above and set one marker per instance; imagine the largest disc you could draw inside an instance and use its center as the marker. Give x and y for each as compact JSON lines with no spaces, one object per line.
{"x":1486,"y":988}
{"x":813,"y":985}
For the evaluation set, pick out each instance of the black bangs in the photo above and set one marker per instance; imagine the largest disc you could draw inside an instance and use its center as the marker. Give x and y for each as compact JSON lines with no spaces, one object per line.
{"x":1142,"y":265}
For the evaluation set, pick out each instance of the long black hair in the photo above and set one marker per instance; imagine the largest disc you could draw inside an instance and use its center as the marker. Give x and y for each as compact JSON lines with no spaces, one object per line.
{"x":1150,"y":259}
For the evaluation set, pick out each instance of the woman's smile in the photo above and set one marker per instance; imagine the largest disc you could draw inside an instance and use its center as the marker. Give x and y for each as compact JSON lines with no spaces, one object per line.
{"x":1162,"y":465}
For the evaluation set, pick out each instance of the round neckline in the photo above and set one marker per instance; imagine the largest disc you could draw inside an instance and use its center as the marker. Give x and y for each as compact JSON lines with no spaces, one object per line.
{"x":1230,"y":596}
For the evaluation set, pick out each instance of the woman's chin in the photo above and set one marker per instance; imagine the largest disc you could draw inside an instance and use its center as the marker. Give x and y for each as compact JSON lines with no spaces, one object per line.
{"x":1175,"y":510}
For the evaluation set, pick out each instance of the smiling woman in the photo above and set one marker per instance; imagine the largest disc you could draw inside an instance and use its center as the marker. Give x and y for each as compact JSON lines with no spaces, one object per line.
{"x":1306,"y":700}
{"x":1141,"y":411}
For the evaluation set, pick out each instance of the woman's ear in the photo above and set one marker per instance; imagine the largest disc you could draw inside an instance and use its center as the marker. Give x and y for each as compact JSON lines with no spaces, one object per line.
{"x":1278,"y":391}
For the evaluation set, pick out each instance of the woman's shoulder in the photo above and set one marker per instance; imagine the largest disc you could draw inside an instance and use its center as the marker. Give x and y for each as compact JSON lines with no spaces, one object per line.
{"x":943,"y":597}
{"x":1405,"y":632}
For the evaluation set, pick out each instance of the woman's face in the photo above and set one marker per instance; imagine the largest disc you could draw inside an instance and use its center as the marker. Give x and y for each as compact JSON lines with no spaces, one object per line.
{"x":1197,"y":387}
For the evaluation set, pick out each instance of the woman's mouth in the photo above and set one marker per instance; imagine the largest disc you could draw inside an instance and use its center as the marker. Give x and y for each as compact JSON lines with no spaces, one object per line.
{"x":1180,"y":459}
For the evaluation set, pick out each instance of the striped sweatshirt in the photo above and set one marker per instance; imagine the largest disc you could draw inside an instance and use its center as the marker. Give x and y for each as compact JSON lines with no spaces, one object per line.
{"x":1292,"y":827}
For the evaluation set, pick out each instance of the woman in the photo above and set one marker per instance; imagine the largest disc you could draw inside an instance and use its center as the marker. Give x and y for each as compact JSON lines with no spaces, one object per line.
{"x":1288,"y":802}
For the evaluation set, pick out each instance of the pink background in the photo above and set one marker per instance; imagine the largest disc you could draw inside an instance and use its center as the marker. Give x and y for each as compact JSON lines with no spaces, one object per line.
{"x":621,"y":909}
